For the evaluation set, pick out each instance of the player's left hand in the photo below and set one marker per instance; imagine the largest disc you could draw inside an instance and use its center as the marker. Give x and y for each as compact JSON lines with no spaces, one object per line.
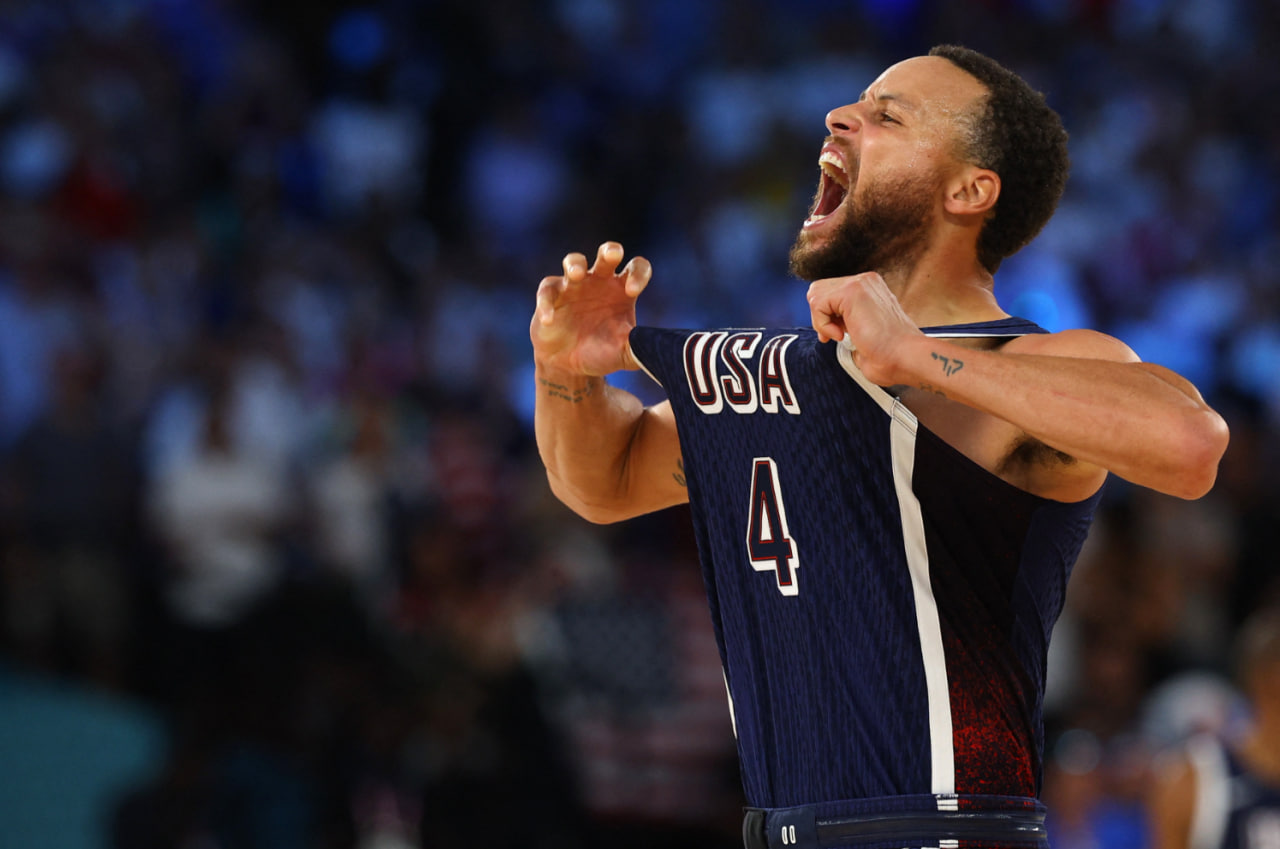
{"x":863,"y":309}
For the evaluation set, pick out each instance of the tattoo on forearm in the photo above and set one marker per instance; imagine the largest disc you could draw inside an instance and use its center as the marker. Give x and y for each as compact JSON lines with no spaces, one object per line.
{"x":564,"y":393}
{"x":950,"y":365}
{"x":929,"y":387}
{"x":679,"y":475}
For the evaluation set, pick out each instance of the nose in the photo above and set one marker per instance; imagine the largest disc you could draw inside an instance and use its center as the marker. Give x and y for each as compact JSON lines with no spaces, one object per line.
{"x":843,"y":119}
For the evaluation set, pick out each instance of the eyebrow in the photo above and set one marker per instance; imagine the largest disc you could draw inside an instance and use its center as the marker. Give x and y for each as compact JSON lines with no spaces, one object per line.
{"x":898,"y":99}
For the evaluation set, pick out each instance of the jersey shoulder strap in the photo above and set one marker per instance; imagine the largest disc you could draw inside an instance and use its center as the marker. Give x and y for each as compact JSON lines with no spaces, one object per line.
{"x":1000,"y":328}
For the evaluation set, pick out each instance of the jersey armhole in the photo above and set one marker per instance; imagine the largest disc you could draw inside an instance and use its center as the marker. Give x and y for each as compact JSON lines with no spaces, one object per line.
{"x":640,"y":362}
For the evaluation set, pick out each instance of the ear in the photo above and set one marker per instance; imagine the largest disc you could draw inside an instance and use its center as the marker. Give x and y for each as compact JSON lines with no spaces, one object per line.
{"x":974,"y":191}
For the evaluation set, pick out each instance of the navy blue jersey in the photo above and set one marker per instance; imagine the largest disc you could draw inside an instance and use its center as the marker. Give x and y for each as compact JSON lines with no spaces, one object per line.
{"x":1235,"y":808}
{"x":883,"y":604}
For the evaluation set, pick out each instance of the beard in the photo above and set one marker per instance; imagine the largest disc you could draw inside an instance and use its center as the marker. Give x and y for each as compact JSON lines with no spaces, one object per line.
{"x":886,"y":229}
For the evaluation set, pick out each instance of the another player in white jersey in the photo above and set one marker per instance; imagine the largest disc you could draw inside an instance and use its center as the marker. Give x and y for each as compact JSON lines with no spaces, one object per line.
{"x":1225,"y":794}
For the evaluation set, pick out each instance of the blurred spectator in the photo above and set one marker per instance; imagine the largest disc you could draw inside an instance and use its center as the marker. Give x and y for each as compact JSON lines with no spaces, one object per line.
{"x":219,"y":513}
{"x":38,"y":314}
{"x":352,"y":501}
{"x":73,"y":501}
{"x":220,"y":510}
{"x":489,"y":743}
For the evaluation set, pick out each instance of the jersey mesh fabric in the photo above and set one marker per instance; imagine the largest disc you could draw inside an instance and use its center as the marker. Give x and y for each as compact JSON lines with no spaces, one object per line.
{"x":828,"y":685}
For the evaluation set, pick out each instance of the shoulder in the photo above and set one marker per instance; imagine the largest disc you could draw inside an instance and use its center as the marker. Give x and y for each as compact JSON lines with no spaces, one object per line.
{"x":1081,"y":343}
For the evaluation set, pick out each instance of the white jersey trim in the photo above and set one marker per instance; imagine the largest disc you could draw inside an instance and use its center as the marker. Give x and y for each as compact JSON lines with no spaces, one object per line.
{"x":974,"y":334}
{"x":644,"y":368}
{"x":878,"y":394}
{"x":733,"y":717}
{"x":902,"y":439}
{"x":1213,"y":793}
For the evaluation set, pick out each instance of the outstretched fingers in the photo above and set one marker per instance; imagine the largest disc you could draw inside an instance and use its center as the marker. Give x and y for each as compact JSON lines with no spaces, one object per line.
{"x":575,"y":267}
{"x":548,"y":295}
{"x":607,"y":258}
{"x":636,"y":275}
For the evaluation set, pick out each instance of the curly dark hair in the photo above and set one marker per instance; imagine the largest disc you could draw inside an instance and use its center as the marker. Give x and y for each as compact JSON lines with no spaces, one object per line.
{"x":1015,"y":133}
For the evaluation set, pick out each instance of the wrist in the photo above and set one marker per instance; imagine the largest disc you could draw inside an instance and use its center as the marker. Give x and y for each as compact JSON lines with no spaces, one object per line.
{"x":560,"y":384}
{"x":911,"y":360}
{"x":559,"y":374}
{"x":931,"y":361}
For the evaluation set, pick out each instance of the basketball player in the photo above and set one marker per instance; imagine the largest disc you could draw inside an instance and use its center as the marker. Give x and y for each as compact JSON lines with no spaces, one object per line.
{"x":887,"y":505}
{"x":1226,"y":794}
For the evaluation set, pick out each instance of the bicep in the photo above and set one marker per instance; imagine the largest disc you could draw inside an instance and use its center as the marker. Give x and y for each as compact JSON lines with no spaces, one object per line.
{"x":1079,"y":344}
{"x":1046,"y":469}
{"x":1092,"y":345}
{"x":655,"y":467}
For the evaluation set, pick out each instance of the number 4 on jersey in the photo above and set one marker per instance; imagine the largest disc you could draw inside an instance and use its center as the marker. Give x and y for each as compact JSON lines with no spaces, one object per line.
{"x":769,"y":542}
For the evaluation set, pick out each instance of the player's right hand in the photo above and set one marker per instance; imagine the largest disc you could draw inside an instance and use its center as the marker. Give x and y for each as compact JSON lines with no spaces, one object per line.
{"x":583,"y":318}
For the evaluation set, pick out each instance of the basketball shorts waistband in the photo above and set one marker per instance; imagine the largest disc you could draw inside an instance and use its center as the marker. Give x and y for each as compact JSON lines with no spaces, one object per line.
{"x":935,"y":822}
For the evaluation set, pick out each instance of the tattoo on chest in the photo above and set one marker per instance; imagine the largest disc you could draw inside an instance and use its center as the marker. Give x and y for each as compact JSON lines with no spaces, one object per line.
{"x":679,"y":474}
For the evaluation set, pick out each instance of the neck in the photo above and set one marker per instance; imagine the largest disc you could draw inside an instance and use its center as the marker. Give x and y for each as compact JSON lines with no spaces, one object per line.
{"x":938,"y":290}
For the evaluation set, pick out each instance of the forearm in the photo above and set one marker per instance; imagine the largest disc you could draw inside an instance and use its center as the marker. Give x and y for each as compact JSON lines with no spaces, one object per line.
{"x":585,"y":429}
{"x":1140,"y":421}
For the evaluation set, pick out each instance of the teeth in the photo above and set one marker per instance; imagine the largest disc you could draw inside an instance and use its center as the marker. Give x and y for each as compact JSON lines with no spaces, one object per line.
{"x":833,"y":167}
{"x":832,"y":190}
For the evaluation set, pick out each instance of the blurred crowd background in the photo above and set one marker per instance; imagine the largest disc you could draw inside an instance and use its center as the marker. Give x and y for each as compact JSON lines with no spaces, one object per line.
{"x":278,"y":562}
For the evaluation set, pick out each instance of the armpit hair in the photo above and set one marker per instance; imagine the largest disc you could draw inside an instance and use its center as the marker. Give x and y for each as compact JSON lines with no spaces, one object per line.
{"x":1029,"y":451}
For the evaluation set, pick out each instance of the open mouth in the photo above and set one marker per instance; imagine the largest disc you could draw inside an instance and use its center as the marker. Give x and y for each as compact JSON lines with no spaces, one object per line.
{"x":833,"y":188}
